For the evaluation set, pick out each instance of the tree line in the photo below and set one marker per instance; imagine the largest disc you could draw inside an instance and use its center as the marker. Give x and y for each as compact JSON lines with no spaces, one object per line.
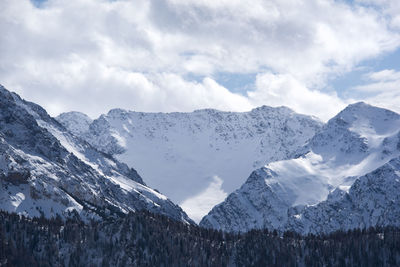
{"x":146,"y":239}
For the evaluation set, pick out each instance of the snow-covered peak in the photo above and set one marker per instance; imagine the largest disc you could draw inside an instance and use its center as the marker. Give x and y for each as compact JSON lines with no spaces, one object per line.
{"x":281,"y":109}
{"x":116,"y":113}
{"x":363,"y":118}
{"x":76,"y":122}
{"x":355,"y":133}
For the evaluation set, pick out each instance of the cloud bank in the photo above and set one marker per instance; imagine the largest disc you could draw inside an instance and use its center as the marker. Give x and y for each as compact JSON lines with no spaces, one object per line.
{"x":166,"y":55}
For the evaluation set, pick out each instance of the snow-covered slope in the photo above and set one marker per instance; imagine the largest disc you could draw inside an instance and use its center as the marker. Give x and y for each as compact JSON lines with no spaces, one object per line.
{"x":357,"y":141}
{"x":44,"y":169}
{"x":373,"y":200}
{"x":197,"y":158}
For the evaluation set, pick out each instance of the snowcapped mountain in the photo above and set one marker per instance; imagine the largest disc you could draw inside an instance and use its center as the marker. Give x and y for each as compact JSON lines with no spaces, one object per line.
{"x":46,"y":170}
{"x":329,"y":176}
{"x":196,"y":158}
{"x":317,"y":178}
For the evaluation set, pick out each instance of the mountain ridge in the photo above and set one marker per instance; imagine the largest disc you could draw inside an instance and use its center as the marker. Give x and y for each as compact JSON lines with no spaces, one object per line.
{"x":46,"y":170}
{"x":356,"y":142}
{"x":198,"y":157}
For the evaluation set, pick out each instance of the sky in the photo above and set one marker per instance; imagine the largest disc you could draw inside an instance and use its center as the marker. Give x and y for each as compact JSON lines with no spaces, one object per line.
{"x":314,"y":56}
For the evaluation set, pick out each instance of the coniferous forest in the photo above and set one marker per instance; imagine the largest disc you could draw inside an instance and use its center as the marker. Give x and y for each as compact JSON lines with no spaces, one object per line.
{"x":146,"y":239}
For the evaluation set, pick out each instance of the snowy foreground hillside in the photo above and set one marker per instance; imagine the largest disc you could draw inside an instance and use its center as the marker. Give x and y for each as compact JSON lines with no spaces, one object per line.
{"x":347,"y":176}
{"x":196,"y":158}
{"x":45,"y":170}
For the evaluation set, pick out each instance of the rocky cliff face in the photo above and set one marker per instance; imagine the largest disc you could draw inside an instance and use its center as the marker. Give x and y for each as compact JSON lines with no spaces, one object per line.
{"x":46,"y":170}
{"x":316,"y":192}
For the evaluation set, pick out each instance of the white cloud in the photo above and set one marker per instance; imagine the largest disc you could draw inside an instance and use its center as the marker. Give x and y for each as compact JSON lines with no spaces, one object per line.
{"x":384,"y":75}
{"x":135,"y":54}
{"x":390,"y":8}
{"x":285,"y":90}
{"x":383,"y":88}
{"x":76,"y":84}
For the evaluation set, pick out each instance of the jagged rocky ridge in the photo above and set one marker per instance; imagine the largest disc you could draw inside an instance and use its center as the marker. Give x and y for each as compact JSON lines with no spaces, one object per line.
{"x":46,"y":170}
{"x":346,"y":177}
{"x":183,"y":154}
